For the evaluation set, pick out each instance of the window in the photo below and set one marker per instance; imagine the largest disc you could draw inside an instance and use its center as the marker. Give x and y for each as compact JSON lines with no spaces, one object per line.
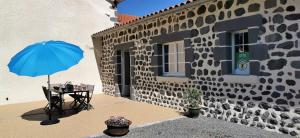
{"x":173,"y":59}
{"x":240,"y":50}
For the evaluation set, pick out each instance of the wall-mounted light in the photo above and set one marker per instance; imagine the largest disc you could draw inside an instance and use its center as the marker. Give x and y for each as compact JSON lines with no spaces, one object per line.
{"x":114,"y":3}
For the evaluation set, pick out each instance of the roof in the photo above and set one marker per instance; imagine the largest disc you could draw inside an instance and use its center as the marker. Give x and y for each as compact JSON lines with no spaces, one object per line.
{"x":124,"y":18}
{"x":152,"y":14}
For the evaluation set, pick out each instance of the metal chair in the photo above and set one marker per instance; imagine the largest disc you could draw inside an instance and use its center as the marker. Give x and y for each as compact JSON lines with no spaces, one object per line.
{"x":81,"y":98}
{"x":54,"y":100}
{"x":91,"y":91}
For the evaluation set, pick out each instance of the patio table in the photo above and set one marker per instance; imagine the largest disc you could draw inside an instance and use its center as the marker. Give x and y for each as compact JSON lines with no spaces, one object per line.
{"x":77,"y":89}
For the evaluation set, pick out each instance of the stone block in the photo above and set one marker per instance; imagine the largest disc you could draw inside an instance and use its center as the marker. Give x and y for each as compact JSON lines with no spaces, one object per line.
{"x":253,"y":35}
{"x":297,"y":74}
{"x":226,"y":67}
{"x":171,"y":37}
{"x":239,"y":23}
{"x":189,"y":55}
{"x":254,"y":68}
{"x":188,"y":70}
{"x":224,"y":39}
{"x":222,"y":53}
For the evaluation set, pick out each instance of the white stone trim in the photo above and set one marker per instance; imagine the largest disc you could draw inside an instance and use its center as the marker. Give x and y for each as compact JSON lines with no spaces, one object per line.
{"x":251,"y":79}
{"x":171,"y":79}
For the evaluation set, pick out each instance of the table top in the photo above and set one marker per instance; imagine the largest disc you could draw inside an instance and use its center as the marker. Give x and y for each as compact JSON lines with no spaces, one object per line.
{"x":60,"y":91}
{"x":77,"y":88}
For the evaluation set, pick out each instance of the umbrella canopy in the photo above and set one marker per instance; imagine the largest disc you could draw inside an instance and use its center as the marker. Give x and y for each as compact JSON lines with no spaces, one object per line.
{"x":45,"y":58}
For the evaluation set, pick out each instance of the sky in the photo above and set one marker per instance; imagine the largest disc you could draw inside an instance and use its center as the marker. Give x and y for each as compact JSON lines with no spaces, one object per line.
{"x":144,"y":7}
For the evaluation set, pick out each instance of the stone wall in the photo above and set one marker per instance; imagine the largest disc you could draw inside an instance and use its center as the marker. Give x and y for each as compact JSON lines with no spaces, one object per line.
{"x":269,"y":98}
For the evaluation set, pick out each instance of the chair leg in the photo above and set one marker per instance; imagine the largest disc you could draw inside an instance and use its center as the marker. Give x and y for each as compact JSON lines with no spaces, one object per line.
{"x":46,"y":107}
{"x":71,"y":104}
{"x":91,"y":106}
{"x":55,"y":106}
{"x":74,"y":103}
{"x":59,"y":107}
{"x":81,"y":105}
{"x":86,"y":105}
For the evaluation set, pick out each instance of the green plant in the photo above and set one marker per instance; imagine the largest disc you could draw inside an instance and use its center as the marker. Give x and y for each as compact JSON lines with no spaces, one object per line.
{"x":194,"y":98}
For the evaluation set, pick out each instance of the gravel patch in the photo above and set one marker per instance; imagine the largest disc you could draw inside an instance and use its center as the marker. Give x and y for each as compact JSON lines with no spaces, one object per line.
{"x":201,"y":127}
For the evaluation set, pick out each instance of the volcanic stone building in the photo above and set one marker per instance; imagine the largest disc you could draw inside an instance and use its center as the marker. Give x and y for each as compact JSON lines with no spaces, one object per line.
{"x":243,"y":55}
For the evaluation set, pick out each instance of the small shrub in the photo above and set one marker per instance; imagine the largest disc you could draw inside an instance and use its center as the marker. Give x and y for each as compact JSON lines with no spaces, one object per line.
{"x":194,"y":98}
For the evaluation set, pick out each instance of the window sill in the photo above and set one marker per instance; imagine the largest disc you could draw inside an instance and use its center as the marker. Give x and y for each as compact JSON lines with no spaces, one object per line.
{"x":171,"y":79}
{"x":241,"y":79}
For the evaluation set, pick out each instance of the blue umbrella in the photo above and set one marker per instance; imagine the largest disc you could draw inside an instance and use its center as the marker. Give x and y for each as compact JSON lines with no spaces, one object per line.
{"x":45,"y":58}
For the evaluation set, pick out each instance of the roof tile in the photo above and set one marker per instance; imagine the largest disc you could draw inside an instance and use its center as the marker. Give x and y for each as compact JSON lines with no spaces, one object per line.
{"x":125,"y":18}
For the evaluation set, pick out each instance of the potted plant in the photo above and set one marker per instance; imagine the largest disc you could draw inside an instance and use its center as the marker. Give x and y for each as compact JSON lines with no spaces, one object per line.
{"x":117,"y":125}
{"x":194,"y":100}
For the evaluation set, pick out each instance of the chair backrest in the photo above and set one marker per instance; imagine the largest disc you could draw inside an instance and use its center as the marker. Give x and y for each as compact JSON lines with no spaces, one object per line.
{"x":91,"y":90}
{"x":69,"y":87}
{"x":83,"y":86}
{"x":55,"y":86}
{"x":46,"y":92}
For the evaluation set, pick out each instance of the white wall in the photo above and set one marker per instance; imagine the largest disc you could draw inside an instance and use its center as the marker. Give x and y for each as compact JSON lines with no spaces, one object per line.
{"x":23,"y":22}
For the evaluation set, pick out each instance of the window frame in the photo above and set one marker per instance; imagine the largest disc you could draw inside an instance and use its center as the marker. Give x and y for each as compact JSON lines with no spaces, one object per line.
{"x":233,"y":48}
{"x":175,"y":74}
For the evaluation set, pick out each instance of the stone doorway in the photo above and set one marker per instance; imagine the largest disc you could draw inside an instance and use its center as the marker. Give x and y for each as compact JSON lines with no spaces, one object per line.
{"x":125,"y":74}
{"x":124,"y":65}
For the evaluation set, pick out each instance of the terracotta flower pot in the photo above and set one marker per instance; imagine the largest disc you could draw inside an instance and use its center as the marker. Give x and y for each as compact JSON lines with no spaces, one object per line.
{"x":117,"y":130}
{"x":193,"y":112}
{"x":117,"y":126}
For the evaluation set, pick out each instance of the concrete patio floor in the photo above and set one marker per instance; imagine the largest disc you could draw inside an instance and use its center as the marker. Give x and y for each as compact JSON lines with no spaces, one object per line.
{"x":23,"y":120}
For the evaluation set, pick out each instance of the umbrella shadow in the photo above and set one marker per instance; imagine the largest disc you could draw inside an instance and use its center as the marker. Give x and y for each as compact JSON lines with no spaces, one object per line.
{"x":39,"y":114}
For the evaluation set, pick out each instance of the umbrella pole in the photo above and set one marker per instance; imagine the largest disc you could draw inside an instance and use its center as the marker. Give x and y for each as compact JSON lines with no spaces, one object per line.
{"x":51,"y":120}
{"x":49,"y":97}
